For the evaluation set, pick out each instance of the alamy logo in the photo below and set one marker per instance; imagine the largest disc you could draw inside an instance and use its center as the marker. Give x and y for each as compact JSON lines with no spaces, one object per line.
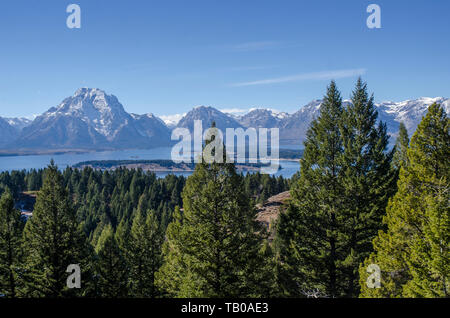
{"x":74,"y":19}
{"x":374,"y":279}
{"x":374,"y":19}
{"x":74,"y":279}
{"x":258,"y":141}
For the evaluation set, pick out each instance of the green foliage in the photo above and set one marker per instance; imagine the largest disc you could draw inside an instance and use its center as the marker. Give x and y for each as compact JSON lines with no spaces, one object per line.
{"x":111,"y":272}
{"x":260,"y":186}
{"x":368,"y":180}
{"x":308,"y":237}
{"x":136,"y":235}
{"x":53,"y":241}
{"x":10,"y":243}
{"x":413,"y":253}
{"x":338,"y":199}
{"x":144,"y":254}
{"x":213,"y":248}
{"x":401,"y":147}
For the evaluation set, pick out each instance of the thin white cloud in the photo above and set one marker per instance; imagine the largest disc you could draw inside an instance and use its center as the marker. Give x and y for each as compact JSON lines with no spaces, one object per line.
{"x":255,"y":46}
{"x":326,"y":75}
{"x":250,"y":68}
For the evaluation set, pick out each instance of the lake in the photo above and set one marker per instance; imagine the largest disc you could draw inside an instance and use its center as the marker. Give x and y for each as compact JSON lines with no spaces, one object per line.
{"x":69,"y":159}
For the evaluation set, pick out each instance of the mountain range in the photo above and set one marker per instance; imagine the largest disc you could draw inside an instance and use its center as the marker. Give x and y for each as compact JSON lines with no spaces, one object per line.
{"x":94,"y":120}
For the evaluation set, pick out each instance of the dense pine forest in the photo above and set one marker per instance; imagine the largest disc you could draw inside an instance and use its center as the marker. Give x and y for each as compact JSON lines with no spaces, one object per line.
{"x":354,"y":204}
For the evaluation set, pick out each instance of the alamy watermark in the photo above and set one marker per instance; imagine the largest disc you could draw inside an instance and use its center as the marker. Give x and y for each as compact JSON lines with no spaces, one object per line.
{"x":74,"y":279}
{"x":256,"y":152}
{"x":374,"y":19}
{"x":374,"y":279}
{"x":74,"y":19}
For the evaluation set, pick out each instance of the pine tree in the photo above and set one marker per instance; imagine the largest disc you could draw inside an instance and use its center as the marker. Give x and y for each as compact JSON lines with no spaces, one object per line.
{"x":413,"y":253}
{"x":401,"y":146}
{"x":10,"y":239}
{"x":110,"y":267}
{"x":144,"y":255}
{"x":338,"y":200}
{"x":310,"y":250}
{"x":122,"y":236}
{"x":53,"y":241}
{"x":368,"y":181}
{"x":212,"y":248}
{"x":174,"y":278}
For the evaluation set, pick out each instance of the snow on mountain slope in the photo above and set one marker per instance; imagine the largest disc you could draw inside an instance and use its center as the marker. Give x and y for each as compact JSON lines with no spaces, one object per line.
{"x":7,"y":132}
{"x":410,"y":112}
{"x":92,"y":119}
{"x":293,"y":127}
{"x":172,"y":121}
{"x":101,"y":111}
{"x":19,"y":123}
{"x":260,"y":117}
{"x":207,"y":115}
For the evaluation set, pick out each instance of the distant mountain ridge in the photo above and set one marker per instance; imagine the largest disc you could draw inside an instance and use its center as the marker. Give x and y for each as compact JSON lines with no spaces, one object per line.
{"x":92,"y":119}
{"x":207,"y":115}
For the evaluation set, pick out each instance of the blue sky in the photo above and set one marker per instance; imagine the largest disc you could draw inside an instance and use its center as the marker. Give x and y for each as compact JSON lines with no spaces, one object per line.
{"x":167,"y":56}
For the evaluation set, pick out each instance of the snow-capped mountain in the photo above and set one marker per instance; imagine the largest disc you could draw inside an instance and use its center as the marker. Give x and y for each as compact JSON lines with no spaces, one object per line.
{"x":92,"y":119}
{"x":152,"y":127}
{"x":410,"y":112}
{"x":7,"y":132}
{"x":207,"y":115}
{"x":19,"y":123}
{"x":293,"y":128}
{"x":260,"y":117}
{"x":10,"y":129}
{"x":172,"y":121}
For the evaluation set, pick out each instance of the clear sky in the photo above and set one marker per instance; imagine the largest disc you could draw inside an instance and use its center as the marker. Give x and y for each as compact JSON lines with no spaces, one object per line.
{"x":167,"y":56}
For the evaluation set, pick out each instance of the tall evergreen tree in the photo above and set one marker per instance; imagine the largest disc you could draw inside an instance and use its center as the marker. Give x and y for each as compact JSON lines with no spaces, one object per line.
{"x":338,"y":200}
{"x":144,"y":255}
{"x":174,"y":277}
{"x":368,"y":180}
{"x":10,"y":241}
{"x":53,"y":241}
{"x":413,"y":253}
{"x":310,"y":248}
{"x":213,"y":247}
{"x":112,"y":276}
{"x":401,"y":147}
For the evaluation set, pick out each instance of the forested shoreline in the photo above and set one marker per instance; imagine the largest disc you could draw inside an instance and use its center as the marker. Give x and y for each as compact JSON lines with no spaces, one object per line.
{"x":355,"y":205}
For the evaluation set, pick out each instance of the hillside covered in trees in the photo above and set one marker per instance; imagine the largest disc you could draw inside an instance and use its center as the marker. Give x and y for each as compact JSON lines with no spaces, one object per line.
{"x":361,"y":220}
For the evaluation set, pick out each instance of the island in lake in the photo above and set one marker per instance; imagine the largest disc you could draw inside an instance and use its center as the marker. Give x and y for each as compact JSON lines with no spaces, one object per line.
{"x":158,"y":165}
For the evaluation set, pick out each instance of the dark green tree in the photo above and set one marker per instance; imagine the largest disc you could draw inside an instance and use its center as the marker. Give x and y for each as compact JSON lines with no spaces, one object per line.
{"x":112,"y":275}
{"x":144,"y":255}
{"x":338,"y":200}
{"x":213,"y":247}
{"x":368,"y":181}
{"x":308,"y":238}
{"x":413,"y":253}
{"x":53,"y":241}
{"x":401,"y":147}
{"x":10,"y":243}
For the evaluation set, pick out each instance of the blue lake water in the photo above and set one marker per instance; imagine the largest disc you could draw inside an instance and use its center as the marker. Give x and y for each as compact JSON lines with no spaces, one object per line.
{"x":65,"y":160}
